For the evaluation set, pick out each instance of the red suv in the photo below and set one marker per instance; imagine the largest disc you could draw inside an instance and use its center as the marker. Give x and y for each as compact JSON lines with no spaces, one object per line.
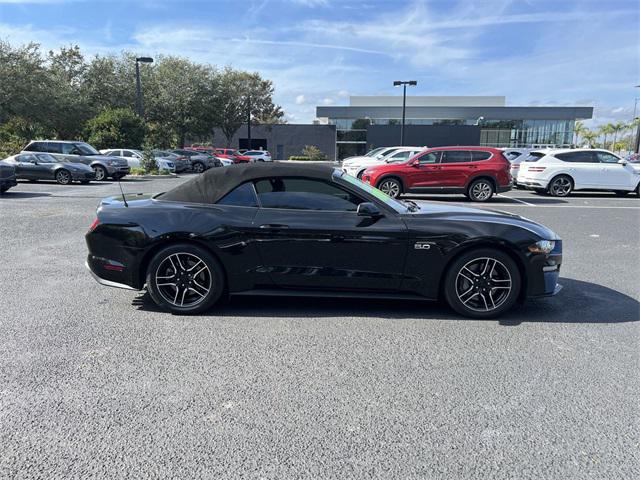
{"x":477,"y":172}
{"x":232,"y":154}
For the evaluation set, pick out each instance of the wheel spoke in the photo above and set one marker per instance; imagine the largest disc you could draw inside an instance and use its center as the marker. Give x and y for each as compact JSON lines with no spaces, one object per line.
{"x":467,"y":300}
{"x":486,"y":306}
{"x":179,"y":262}
{"x":165,"y":284}
{"x":194,"y":265}
{"x":471,"y":272}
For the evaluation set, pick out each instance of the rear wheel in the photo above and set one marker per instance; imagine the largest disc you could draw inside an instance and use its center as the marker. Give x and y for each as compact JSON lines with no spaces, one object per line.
{"x":197,"y":167}
{"x":483,"y":283}
{"x":391,"y":187}
{"x":185,"y":279}
{"x":480,"y":190}
{"x":101,"y":172}
{"x":63,"y":177}
{"x":560,"y":186}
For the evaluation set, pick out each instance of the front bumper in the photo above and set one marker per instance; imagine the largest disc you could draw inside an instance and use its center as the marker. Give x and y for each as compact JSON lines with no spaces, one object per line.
{"x":118,"y":170}
{"x":8,"y":182}
{"x":544,"y":273}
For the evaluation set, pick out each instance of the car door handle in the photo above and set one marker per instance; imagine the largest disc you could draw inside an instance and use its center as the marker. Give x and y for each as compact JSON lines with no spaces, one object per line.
{"x":473,"y":167}
{"x":273,"y":226}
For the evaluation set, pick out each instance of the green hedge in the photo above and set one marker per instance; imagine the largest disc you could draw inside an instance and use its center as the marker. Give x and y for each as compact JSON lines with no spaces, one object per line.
{"x":300,"y":158}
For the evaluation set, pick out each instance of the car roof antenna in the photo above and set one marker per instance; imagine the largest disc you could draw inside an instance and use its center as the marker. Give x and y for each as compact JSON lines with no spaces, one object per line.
{"x":124,"y":199}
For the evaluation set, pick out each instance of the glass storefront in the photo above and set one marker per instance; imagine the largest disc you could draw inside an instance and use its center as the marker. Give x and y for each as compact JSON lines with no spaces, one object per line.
{"x":352,"y":133}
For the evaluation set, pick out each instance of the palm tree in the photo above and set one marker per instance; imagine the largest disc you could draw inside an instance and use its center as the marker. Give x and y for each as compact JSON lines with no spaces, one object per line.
{"x":590,"y":136}
{"x":578,"y":131}
{"x":617,"y":128}
{"x":605,"y":130}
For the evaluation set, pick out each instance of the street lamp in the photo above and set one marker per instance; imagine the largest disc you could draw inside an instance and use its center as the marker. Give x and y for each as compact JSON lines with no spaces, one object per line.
{"x":479,"y":119}
{"x":637,"y":145}
{"x":404,"y":84}
{"x":139,"y":107}
{"x":249,"y":121}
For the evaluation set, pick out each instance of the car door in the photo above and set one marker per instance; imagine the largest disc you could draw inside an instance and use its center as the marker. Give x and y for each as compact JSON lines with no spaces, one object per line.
{"x":423,"y":171}
{"x":132,"y":158}
{"x":26,"y":167}
{"x":310,"y":236}
{"x":455,"y":167}
{"x":584,"y":168}
{"x":615,"y":175}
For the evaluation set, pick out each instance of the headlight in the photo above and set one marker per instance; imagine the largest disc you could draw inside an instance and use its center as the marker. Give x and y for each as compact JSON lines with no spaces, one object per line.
{"x":543,"y":246}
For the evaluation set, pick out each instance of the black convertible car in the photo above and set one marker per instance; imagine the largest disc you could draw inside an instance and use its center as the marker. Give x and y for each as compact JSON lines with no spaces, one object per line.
{"x":278,"y":229}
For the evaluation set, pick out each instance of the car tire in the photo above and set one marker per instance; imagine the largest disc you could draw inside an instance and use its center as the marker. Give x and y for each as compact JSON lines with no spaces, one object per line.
{"x":540,"y":191}
{"x":185,"y":279}
{"x":359,"y":175}
{"x":198,"y":167}
{"x":101,"y":173}
{"x":4,"y":189}
{"x":390,"y":186}
{"x":85,"y":182}
{"x":63,"y":177}
{"x":480,"y":190}
{"x":482,"y":283}
{"x":560,"y":186}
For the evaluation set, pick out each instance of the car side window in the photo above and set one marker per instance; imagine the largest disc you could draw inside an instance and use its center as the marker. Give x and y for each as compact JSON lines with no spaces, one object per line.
{"x":32,"y":147}
{"x":127,"y":153}
{"x":304,"y":194}
{"x":479,"y":156}
{"x":26,"y":158}
{"x":242,"y":196}
{"x":605,"y":157}
{"x":429,"y":158}
{"x":577,"y":157}
{"x":455,"y":156}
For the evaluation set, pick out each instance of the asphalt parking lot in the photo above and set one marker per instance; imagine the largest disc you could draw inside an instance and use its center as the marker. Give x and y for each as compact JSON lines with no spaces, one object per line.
{"x":97,"y":382}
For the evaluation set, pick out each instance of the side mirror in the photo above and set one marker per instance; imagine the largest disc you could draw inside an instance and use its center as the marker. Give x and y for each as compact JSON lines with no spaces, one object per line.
{"x":622,"y":162}
{"x":368,"y":209}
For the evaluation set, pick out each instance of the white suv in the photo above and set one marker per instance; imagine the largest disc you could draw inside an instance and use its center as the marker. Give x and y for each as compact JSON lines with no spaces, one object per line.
{"x":357,"y":165}
{"x":558,"y":172}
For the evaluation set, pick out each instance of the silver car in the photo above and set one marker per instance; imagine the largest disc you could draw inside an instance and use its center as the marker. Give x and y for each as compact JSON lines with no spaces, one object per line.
{"x":81,"y":152}
{"x":134,"y":157}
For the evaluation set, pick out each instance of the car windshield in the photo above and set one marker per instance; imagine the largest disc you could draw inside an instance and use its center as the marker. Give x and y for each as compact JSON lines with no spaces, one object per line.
{"x":46,"y":158}
{"x":374,"y":152}
{"x":86,"y":149}
{"x":396,"y":205}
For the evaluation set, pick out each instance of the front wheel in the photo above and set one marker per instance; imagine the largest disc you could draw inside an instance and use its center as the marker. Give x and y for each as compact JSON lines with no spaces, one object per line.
{"x":480,"y":190}
{"x":101,"y":172}
{"x":560,"y":186}
{"x":197,"y":167}
{"x":391,"y":187}
{"x":483,"y":283}
{"x":185,"y":279}
{"x":63,"y":177}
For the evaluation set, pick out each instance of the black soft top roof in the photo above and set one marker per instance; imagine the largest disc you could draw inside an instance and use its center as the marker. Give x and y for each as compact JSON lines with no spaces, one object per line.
{"x":215,"y":183}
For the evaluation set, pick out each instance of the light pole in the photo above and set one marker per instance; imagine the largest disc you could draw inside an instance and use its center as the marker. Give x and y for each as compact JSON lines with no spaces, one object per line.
{"x":404,"y":84}
{"x":139,"y":106}
{"x":636,"y":148}
{"x":249,"y":121}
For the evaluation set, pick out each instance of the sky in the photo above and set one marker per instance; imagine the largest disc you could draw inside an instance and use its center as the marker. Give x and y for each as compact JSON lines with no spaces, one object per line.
{"x":318,"y":52}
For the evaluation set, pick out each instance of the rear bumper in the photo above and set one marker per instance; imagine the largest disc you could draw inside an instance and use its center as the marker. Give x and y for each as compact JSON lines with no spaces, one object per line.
{"x":90,"y":263}
{"x":532,"y":182}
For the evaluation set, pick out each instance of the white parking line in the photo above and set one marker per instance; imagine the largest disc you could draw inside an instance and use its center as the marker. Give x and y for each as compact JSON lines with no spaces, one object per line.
{"x":501,"y":205}
{"x":516,"y":199}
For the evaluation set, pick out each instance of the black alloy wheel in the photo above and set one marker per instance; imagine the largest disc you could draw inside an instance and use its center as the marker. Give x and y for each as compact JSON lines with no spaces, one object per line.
{"x":391,"y":187}
{"x":101,"y":172}
{"x":483,"y":283}
{"x":63,"y":177}
{"x":480,"y":190}
{"x":560,"y":186}
{"x":185,"y":279}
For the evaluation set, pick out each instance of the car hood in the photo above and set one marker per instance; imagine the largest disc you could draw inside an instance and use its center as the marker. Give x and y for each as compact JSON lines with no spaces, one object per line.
{"x":355,"y":160}
{"x":468,"y":216}
{"x":362,"y":162}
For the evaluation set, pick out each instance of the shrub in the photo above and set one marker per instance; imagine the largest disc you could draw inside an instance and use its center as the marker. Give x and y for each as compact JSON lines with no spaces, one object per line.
{"x":299,"y":158}
{"x":148,"y":162}
{"x":314,"y":153}
{"x":115,"y":127}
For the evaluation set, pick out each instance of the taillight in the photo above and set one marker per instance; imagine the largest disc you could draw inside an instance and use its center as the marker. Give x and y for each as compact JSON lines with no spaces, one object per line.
{"x":94,"y":224}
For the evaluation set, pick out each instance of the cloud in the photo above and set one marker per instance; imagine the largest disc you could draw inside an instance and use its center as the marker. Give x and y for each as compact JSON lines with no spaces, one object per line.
{"x":328,"y":101}
{"x":300,"y":100}
{"x":311,"y":3}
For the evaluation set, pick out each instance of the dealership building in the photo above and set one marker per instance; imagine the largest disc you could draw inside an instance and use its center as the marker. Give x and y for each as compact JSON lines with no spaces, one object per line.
{"x":374,"y":121}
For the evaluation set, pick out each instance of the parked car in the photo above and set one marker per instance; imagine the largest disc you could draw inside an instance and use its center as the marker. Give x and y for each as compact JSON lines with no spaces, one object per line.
{"x":225,"y":161}
{"x":357,"y":165}
{"x":7,"y":176}
{"x":377,"y":153}
{"x":307,"y":230}
{"x":232,"y":154}
{"x":182,"y":162}
{"x":44,"y":166}
{"x":134,"y":157}
{"x":559,"y":172}
{"x":258,"y":155}
{"x":200,"y":161}
{"x":476,"y":172}
{"x":515,"y":156}
{"x":80,"y":152}
{"x":633,"y":158}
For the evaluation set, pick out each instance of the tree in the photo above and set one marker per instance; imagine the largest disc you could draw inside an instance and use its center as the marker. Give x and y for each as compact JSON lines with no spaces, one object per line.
{"x":110,"y":82}
{"x":578,"y":131}
{"x":179,"y":95}
{"x":617,"y":128}
{"x":119,"y":127}
{"x":590,"y":137}
{"x":313,"y":153}
{"x":605,"y":130}
{"x":240,"y":94}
